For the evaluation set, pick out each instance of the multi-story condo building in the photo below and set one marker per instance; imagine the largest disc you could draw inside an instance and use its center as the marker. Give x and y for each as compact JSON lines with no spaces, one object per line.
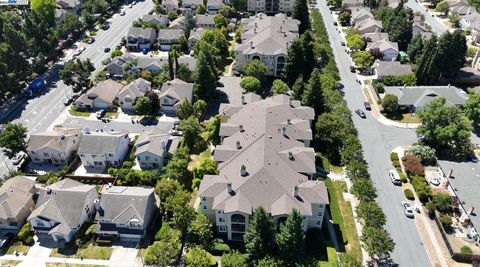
{"x":270,"y":6}
{"x":267,"y":39}
{"x":264,"y":160}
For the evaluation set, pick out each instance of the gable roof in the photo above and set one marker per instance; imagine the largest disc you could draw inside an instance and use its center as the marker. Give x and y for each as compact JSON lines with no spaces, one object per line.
{"x":382,"y":45}
{"x":146,"y":33}
{"x":375,"y":36}
{"x":205,"y":19}
{"x":154,"y":142}
{"x":136,"y":88}
{"x":56,"y":139}
{"x":195,"y":34}
{"x":157,"y":19}
{"x":63,"y":202}
{"x":272,"y":173}
{"x":105,"y":90}
{"x":365,"y":24}
{"x":15,"y":194}
{"x":392,"y":68}
{"x":100,"y":142}
{"x":420,"y":96}
{"x":177,"y":89}
{"x":122,"y":204}
{"x":169,"y":34}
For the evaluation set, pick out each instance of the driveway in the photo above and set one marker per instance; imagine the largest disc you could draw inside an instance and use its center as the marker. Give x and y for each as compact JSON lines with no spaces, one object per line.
{"x":124,"y":257}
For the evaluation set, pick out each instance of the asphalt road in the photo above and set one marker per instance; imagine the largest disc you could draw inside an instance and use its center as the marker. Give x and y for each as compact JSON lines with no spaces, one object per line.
{"x":378,"y":140}
{"x":437,"y":27}
{"x":40,"y":112}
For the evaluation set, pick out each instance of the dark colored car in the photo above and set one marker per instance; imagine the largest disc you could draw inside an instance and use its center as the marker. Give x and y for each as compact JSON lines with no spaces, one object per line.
{"x":361,"y":113}
{"x":342,"y":43}
{"x":106,"y":50}
{"x":352,"y":69}
{"x":105,"y":26}
{"x":100,"y":114}
{"x":149,"y":121}
{"x":90,"y":40}
{"x":367,"y":106}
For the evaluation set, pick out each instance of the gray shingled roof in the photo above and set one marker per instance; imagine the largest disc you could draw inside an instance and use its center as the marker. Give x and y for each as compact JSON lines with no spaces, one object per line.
{"x":169,"y":34}
{"x":205,"y":19}
{"x":271,"y":173}
{"x":154,"y":142}
{"x":56,"y":139}
{"x":147,"y":33}
{"x":106,"y":90}
{"x":157,"y":19}
{"x":64,"y":204}
{"x":15,"y":194}
{"x":100,"y":142}
{"x":136,"y":88}
{"x":121,"y":204}
{"x":392,"y":68}
{"x":420,"y":96}
{"x":178,"y":90}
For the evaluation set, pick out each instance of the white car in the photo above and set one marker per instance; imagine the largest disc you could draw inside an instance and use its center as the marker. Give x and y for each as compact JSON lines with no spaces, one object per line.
{"x":394,"y":177}
{"x":122,"y":13}
{"x":407,"y":209}
{"x":79,"y":51}
{"x":18,"y":158}
{"x":435,"y":181}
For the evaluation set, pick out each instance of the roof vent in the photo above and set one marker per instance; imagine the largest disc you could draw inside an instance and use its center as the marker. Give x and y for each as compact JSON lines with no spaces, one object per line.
{"x":290,"y":155}
{"x":243,"y":170}
{"x":295,"y":191}
{"x":240,"y":128}
{"x":229,"y":188}
{"x":96,"y":202}
{"x":288,"y":121}
{"x":238,"y":145}
{"x":243,"y":100}
{"x":49,"y":190}
{"x":284,"y":131}
{"x":62,"y":137}
{"x":251,"y":45}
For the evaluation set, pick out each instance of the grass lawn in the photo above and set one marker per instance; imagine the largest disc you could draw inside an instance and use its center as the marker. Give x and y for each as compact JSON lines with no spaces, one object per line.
{"x":196,"y":160}
{"x":325,"y":163}
{"x":51,"y":264}
{"x":342,"y":215}
{"x":18,"y":247}
{"x":90,"y":252}
{"x":9,"y":262}
{"x":332,"y":259}
{"x":403,"y":117}
{"x":75,"y":112}
{"x":111,"y":115}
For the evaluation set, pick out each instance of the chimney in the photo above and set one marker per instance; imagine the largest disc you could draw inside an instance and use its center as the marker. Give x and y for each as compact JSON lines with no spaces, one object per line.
{"x":255,"y":30}
{"x":288,"y":121}
{"x":238,"y":145}
{"x":290,"y":101}
{"x":284,"y":131}
{"x":286,"y":44}
{"x":251,"y":45}
{"x":229,"y":188}
{"x":243,"y":100}
{"x":243,"y":170}
{"x":290,"y":155}
{"x":96,"y":202}
{"x":281,"y":29}
{"x":295,"y":191}
{"x":49,"y":190}
{"x":240,"y":128}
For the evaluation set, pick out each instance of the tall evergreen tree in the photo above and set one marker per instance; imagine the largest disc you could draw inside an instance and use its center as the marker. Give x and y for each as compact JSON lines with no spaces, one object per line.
{"x":452,"y":48}
{"x":300,"y":12}
{"x":170,"y":67}
{"x":291,"y":240}
{"x":312,"y":95}
{"x":415,"y":48}
{"x":298,"y":88}
{"x":424,"y":71}
{"x":295,"y":62}
{"x":205,"y":81}
{"x":259,"y":238}
{"x":308,"y":54}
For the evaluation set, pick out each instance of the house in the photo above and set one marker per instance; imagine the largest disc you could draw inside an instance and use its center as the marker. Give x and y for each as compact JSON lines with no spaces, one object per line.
{"x":470,"y":20}
{"x":374,"y":36}
{"x":140,"y":38}
{"x":103,"y":148}
{"x":101,"y":96}
{"x":213,"y":6}
{"x":160,"y":20}
{"x":369,"y":25}
{"x":391,"y":68}
{"x":155,"y":64}
{"x":170,"y":6}
{"x":17,"y":204}
{"x":191,"y":4}
{"x":270,"y":6}
{"x":127,"y":97}
{"x":264,"y":161}
{"x":418,"y":27}
{"x":153,"y":147}
{"x":72,"y":6}
{"x":125,"y":213}
{"x":62,"y":209}
{"x":176,"y":23}
{"x":55,"y":146}
{"x":205,"y":21}
{"x":117,"y":68}
{"x":352,"y":3}
{"x":388,"y":49}
{"x":360,"y":14}
{"x":418,"y":97}
{"x":169,"y":37}
{"x":194,"y":38}
{"x":173,"y":93}
{"x":266,"y":38}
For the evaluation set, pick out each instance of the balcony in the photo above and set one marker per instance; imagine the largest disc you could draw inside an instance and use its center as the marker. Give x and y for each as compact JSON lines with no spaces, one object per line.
{"x":238,"y":227}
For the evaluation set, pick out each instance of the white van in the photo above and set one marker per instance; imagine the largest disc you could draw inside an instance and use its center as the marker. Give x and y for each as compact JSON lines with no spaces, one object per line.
{"x":394,"y":177}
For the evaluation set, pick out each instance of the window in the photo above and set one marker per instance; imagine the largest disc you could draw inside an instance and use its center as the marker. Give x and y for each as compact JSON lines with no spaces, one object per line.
{"x":82,"y":155}
{"x":219,"y":212}
{"x":222,"y":229}
{"x":204,"y":207}
{"x":94,"y":156}
{"x":221,"y":220}
{"x":204,"y":199}
{"x":111,"y":155}
{"x":319,"y":214}
{"x":147,"y":158}
{"x":45,"y":154}
{"x":319,"y":222}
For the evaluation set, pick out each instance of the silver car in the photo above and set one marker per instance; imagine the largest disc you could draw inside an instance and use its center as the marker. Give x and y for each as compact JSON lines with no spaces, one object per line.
{"x":18,"y":158}
{"x":407,"y":209}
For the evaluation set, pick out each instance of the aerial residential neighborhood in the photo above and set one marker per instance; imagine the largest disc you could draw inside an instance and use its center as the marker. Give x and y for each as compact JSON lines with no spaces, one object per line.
{"x":239,"y":133}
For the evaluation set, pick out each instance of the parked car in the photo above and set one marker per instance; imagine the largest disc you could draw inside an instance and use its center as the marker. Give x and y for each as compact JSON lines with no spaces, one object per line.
{"x":147,"y":120}
{"x":105,"y":26}
{"x":106,"y":50}
{"x":407,"y":209}
{"x":90,"y":40}
{"x":361,"y":113}
{"x":175,"y":132}
{"x":79,"y":51}
{"x":342,"y":43}
{"x":74,"y":97}
{"x":19,"y":157}
{"x":100,"y":114}
{"x":435,"y":181}
{"x":394,"y":177}
{"x":122,"y":13}
{"x":67,"y":101}
{"x":353,"y":69}
{"x":367,"y":106}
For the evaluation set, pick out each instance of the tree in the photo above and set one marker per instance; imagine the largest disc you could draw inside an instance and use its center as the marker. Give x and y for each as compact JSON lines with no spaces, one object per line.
{"x":371,"y":214}
{"x":389,"y":103}
{"x":445,"y":127}
{"x":239,"y":5}
{"x":220,"y":21}
{"x":295,"y":62}
{"x":204,"y":77}
{"x":143,"y":106}
{"x":255,"y":68}
{"x":181,"y":214}
{"x":415,"y":48}
{"x":377,"y":242}
{"x":25,"y":234}
{"x":472,"y":108}
{"x":70,"y":23}
{"x":12,"y":139}
{"x":443,"y":7}
{"x":371,"y":3}
{"x":251,"y":84}
{"x":165,"y":252}
{"x":46,"y":9}
{"x":238,"y":35}
{"x":184,"y":73}
{"x":279,"y":87}
{"x":188,"y":23}
{"x":154,"y":100}
{"x":259,"y":236}
{"x":201,"y":9}
{"x":423,"y":152}
{"x":199,"y":108}
{"x":345,"y":17}
{"x":270,"y":262}
{"x":363,"y":60}
{"x":191,"y":129}
{"x":183,"y":43}
{"x":355,"y":42}
{"x":176,"y":168}
{"x":234,"y":259}
{"x":364,"y":190}
{"x":312,"y":95}
{"x":185,"y":110}
{"x":291,"y":239}
{"x":300,"y":12}
{"x":442,"y":201}
{"x":76,"y":73}
{"x":454,"y":19}
{"x":198,"y":257}
{"x":330,"y":131}
{"x":116,"y":53}
{"x":213,"y":130}
{"x":297,"y":88}
{"x":309,"y":54}
{"x":227,"y":11}
{"x":207,"y":166}
{"x":165,"y":189}
{"x":200,"y":231}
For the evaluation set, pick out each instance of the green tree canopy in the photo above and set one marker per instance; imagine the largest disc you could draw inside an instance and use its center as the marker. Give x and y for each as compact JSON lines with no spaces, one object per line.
{"x":191,"y":129}
{"x":364,"y":190}
{"x":176,"y":168}
{"x":198,"y":257}
{"x":205,"y":79}
{"x":279,"y":87}
{"x":143,"y":106}
{"x":185,"y":110}
{"x":355,"y":42}
{"x":45,"y":8}
{"x":220,"y":21}
{"x":213,"y":130}
{"x":251,"y":84}
{"x":313,"y":95}
{"x":200,"y":231}
{"x":234,"y":259}
{"x":295,"y":62}
{"x":389,"y":103}
{"x":363,"y":60}
{"x":291,"y":239}
{"x":255,"y":68}
{"x":377,"y":242}
{"x":259,"y":236}
{"x":371,"y":214}
{"x":165,"y":252}
{"x":12,"y":139}
{"x":300,"y":12}
{"x":76,"y":73}
{"x":443,"y":7}
{"x":472,"y":108}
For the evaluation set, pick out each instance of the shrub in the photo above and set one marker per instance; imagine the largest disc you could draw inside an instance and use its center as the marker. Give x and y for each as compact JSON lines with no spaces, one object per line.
{"x":396,"y":163}
{"x":196,"y":183}
{"x":421,"y":187}
{"x":466,"y":250}
{"x":425,"y":153}
{"x":413,"y":165}
{"x":431,"y":208}
{"x":389,"y":103}
{"x":220,"y":247}
{"x":127,"y":165}
{"x":443,"y":202}
{"x":25,"y":235}
{"x":234,"y":259}
{"x":446,"y":220}
{"x":409,"y":194}
{"x":403,"y":177}
{"x":394,"y":156}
